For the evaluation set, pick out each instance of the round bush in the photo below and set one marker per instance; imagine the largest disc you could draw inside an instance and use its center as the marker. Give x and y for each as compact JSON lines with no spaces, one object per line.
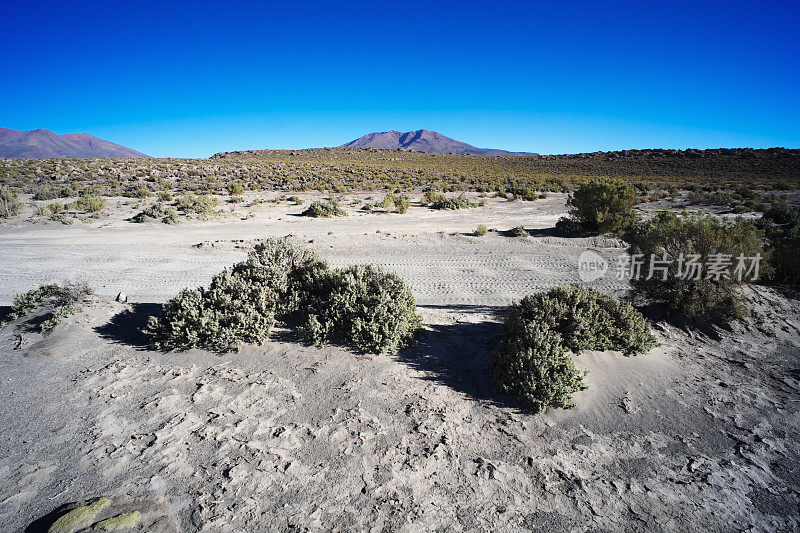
{"x":534,"y":363}
{"x":364,"y":306}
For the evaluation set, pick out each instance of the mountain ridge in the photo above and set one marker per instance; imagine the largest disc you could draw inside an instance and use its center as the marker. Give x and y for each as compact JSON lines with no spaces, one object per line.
{"x":423,"y":141}
{"x":42,"y":143}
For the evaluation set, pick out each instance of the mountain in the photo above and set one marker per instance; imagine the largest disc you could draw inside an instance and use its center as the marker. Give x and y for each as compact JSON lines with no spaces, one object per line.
{"x":422,"y":141}
{"x":42,"y":144}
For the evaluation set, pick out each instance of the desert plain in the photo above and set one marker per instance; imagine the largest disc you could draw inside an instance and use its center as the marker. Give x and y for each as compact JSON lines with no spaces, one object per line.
{"x":700,"y":433}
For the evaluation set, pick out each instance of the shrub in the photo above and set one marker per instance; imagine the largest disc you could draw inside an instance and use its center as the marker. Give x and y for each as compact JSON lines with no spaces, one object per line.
{"x":460,"y":202}
{"x":164,"y":196}
{"x":480,"y":231}
{"x":703,"y":297}
{"x":785,"y":257}
{"x":90,"y":203}
{"x":295,"y":200}
{"x":524,"y":193}
{"x":234,"y":188}
{"x":62,"y":301}
{"x":533,"y":362}
{"x":46,"y":194}
{"x":391,"y":202}
{"x":241,"y":303}
{"x":167,"y":214}
{"x":604,"y":205}
{"x":140,"y":192}
{"x":518,"y":231}
{"x":567,"y":227}
{"x":329,"y":208}
{"x":202,"y":205}
{"x":364,"y":306}
{"x":10,"y":206}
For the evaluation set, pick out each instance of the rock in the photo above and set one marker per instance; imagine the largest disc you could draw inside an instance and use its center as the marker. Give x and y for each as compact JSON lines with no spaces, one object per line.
{"x":122,"y":297}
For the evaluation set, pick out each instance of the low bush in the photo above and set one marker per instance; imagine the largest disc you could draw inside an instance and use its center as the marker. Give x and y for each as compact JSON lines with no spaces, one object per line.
{"x":329,"y":208}
{"x":567,"y":227}
{"x":394,"y":203}
{"x":365,"y":307}
{"x":604,"y":205}
{"x":234,"y":188}
{"x":518,"y":231}
{"x":534,"y":363}
{"x":480,"y":231}
{"x":202,"y":205}
{"x":10,"y":206}
{"x":140,"y":193}
{"x":362,"y":306}
{"x":460,"y":202}
{"x":167,"y":214}
{"x":685,"y":283}
{"x":46,"y":194}
{"x":90,"y":203}
{"x":60,"y":300}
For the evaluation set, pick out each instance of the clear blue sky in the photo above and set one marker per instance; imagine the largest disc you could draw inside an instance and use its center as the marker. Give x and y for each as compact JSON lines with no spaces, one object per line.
{"x":194,"y":78}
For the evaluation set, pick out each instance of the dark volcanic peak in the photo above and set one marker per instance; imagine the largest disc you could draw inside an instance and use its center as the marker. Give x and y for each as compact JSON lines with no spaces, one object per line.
{"x":41,"y":143}
{"x":422,"y":141}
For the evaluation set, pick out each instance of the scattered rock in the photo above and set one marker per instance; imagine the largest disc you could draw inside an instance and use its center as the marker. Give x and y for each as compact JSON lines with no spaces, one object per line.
{"x":122,"y":297}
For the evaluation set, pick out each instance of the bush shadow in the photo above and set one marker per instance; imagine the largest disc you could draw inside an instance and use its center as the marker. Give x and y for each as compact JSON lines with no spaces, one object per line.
{"x":5,"y":310}
{"x":126,"y":327}
{"x":459,"y":355}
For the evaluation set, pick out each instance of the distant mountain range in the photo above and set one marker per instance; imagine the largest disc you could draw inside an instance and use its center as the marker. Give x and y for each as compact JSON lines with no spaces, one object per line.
{"x":42,"y":144}
{"x":423,"y":141}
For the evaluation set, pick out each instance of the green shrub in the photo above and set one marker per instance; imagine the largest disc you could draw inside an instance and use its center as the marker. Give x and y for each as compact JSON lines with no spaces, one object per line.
{"x":480,"y":231}
{"x":164,"y":196}
{"x":140,"y":192}
{"x":533,"y":362}
{"x":234,"y":188}
{"x":460,"y":202}
{"x":46,"y":194}
{"x":366,"y":307}
{"x":604,"y":205}
{"x":167,"y":214}
{"x":90,"y":203}
{"x":10,"y":206}
{"x":523,"y":193}
{"x":785,"y":257}
{"x":241,"y":303}
{"x":567,"y":227}
{"x":518,"y":231}
{"x":202,"y":205}
{"x":329,"y":208}
{"x":62,"y":301}
{"x":705,"y":298}
{"x":362,"y":306}
{"x":295,"y":200}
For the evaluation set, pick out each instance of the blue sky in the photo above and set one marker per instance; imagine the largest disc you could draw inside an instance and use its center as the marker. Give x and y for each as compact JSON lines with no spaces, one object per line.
{"x":191,"y":79}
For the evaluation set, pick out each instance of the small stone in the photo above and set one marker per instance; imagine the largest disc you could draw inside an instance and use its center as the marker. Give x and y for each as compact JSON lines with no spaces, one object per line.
{"x":122,"y":297}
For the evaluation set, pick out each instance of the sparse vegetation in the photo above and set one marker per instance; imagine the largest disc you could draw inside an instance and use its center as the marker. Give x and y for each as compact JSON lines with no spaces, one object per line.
{"x":688,"y":287}
{"x":10,"y":206}
{"x":480,"y":231}
{"x":361,"y":306}
{"x":60,"y":301}
{"x":533,"y":362}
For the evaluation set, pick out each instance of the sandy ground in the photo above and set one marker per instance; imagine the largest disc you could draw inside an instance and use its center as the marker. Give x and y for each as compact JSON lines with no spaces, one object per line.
{"x":699,"y":434}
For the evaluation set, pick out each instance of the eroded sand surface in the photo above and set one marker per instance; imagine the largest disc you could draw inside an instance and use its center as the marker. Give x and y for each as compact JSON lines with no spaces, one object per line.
{"x":699,"y":434}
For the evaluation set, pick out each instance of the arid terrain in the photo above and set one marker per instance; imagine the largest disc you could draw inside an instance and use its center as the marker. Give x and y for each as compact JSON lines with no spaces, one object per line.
{"x":701,"y":433}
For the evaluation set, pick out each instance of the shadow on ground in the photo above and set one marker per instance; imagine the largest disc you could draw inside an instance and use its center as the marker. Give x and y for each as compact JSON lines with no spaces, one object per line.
{"x":459,"y":355}
{"x":5,"y":310}
{"x":126,"y":327}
